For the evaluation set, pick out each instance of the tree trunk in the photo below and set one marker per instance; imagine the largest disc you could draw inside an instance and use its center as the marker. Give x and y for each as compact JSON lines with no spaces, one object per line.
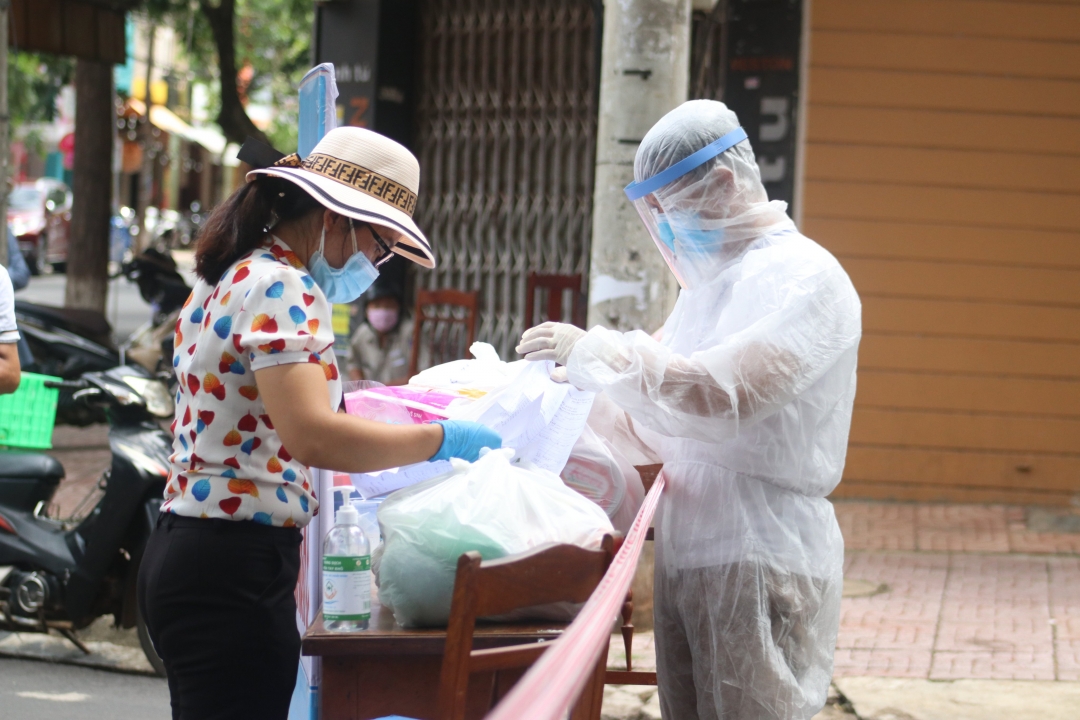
{"x":88,"y":250}
{"x":233,"y":119}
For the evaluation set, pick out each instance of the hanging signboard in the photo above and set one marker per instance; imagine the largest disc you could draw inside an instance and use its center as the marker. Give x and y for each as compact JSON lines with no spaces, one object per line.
{"x":762,"y":85}
{"x":372,"y":46}
{"x":347,"y":35}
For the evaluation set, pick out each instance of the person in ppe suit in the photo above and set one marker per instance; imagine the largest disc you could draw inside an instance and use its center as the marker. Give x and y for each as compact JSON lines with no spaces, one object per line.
{"x":749,"y":395}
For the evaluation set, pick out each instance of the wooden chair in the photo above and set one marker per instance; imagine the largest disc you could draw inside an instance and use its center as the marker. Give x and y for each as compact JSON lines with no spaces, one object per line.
{"x":444,"y":324}
{"x":548,"y":574}
{"x":556,"y":286}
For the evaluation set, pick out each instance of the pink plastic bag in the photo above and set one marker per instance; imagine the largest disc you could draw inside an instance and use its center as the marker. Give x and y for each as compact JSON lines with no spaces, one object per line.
{"x":400,"y":405}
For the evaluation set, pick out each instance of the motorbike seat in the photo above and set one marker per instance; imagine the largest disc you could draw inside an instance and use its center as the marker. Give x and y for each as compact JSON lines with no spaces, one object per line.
{"x":27,"y":478}
{"x":89,"y":324}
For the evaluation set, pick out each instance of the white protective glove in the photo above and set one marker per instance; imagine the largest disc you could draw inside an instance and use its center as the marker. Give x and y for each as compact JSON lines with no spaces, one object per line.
{"x":550,"y":341}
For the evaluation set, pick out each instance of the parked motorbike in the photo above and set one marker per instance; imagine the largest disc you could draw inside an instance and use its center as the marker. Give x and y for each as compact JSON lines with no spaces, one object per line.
{"x":63,"y":573}
{"x":68,"y":343}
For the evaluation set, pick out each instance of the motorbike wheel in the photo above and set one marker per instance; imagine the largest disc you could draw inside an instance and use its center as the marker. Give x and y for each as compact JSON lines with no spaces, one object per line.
{"x":148,"y":646}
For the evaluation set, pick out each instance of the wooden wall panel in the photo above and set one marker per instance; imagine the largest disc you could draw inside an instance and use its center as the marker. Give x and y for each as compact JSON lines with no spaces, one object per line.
{"x":932,"y":91}
{"x":973,"y":357}
{"x":959,"y":281}
{"x":903,"y":389}
{"x":982,"y":18}
{"x":957,"y":431}
{"x":943,"y":170}
{"x":987,"y":320}
{"x":1006,"y":170}
{"x":907,"y":203}
{"x":944,"y":467}
{"x":953,"y":129}
{"x":1019,"y":247}
{"x":947,"y":54}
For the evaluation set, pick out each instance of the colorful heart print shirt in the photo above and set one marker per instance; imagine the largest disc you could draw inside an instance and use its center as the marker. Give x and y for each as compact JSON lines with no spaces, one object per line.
{"x":227,"y":460}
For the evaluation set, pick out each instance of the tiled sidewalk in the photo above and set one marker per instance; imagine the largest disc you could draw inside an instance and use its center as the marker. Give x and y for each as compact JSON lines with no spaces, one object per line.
{"x":963,"y":591}
{"x":85,"y":455}
{"x":970,"y":591}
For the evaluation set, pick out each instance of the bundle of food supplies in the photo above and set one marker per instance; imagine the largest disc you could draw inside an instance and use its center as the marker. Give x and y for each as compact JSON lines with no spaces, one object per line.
{"x":552,"y":425}
{"x":509,"y":501}
{"x":496,"y":506}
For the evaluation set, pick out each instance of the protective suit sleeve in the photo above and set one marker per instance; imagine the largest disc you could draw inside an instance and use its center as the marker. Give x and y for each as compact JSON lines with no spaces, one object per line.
{"x":741,"y":379}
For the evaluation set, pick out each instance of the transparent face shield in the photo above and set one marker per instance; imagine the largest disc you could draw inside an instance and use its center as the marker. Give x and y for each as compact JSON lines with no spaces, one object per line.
{"x":691,"y":244}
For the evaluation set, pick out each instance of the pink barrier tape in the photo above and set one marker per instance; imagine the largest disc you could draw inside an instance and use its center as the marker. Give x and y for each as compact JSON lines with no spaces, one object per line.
{"x":551,"y":686}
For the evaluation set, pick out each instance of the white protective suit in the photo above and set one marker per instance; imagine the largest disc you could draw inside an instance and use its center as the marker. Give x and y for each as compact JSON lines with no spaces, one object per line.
{"x":751,"y":391}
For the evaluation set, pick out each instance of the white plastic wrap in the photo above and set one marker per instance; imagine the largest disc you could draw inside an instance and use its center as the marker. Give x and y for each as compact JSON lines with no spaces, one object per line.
{"x":750,"y":394}
{"x":492,"y":506}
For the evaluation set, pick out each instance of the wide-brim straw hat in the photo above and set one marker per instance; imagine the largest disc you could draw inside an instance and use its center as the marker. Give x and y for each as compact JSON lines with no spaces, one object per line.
{"x":363,"y":175}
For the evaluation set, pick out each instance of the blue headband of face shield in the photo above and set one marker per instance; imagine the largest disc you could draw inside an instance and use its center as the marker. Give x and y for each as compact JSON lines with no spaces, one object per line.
{"x":636,"y":190}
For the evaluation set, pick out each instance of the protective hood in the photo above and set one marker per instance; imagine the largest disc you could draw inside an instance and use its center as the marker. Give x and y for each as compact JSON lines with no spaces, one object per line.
{"x":698,"y":190}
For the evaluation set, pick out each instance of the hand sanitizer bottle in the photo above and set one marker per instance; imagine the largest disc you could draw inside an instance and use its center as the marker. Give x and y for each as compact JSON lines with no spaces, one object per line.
{"x":346,"y":575}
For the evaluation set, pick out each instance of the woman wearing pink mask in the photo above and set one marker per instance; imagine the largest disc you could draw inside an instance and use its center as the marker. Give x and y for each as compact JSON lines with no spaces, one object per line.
{"x":379,"y":349}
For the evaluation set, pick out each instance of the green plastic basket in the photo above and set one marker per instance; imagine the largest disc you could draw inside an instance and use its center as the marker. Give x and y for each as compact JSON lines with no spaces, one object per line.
{"x":27,"y":415}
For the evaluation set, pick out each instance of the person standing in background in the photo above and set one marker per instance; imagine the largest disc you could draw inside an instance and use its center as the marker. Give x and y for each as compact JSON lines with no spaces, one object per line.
{"x":379,"y":349}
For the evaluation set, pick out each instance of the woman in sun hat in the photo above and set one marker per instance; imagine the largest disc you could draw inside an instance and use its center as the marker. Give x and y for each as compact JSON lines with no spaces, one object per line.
{"x":258,"y":392}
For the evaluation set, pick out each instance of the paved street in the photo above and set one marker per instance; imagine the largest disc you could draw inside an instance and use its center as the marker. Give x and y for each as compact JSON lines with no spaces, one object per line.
{"x":124,"y":309}
{"x":32,"y":690}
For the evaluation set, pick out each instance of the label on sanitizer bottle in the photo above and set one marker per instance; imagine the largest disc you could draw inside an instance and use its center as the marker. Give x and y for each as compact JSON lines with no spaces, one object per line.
{"x":346,"y":588}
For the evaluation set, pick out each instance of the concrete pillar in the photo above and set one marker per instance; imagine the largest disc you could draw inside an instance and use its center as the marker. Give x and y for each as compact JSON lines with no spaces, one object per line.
{"x":644,"y":73}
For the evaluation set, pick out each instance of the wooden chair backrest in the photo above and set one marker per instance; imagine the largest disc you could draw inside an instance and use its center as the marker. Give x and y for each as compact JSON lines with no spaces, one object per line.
{"x":556,"y":286}
{"x":547,"y":574}
{"x":436,"y":311}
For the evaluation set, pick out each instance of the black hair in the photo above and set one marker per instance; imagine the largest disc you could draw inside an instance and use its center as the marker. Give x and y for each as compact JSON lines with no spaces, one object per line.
{"x":240,"y":223}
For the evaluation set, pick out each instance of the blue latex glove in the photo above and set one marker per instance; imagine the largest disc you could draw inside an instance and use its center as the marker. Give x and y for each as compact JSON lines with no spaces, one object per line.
{"x":464,"y":439}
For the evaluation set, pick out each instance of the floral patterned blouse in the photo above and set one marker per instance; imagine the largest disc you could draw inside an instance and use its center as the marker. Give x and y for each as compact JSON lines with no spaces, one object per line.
{"x":227,"y":461}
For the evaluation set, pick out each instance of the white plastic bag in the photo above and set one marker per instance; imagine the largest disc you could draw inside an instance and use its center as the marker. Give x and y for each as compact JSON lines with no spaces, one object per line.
{"x":492,"y":506}
{"x":600,"y":472}
{"x":473,"y":377}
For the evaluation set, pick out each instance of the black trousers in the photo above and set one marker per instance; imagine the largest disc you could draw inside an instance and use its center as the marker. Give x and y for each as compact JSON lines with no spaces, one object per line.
{"x":217,"y":597}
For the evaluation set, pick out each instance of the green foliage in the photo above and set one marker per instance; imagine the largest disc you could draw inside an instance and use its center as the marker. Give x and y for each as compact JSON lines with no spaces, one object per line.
{"x":272,"y":36}
{"x":34,"y":81}
{"x":275,"y":37}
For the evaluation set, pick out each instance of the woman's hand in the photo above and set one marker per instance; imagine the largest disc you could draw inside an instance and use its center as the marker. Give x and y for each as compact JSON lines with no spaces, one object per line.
{"x":464,"y":439}
{"x":297,"y":399}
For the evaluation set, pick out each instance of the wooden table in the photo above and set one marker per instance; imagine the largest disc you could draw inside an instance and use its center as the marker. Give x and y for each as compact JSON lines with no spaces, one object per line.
{"x":390,"y":670}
